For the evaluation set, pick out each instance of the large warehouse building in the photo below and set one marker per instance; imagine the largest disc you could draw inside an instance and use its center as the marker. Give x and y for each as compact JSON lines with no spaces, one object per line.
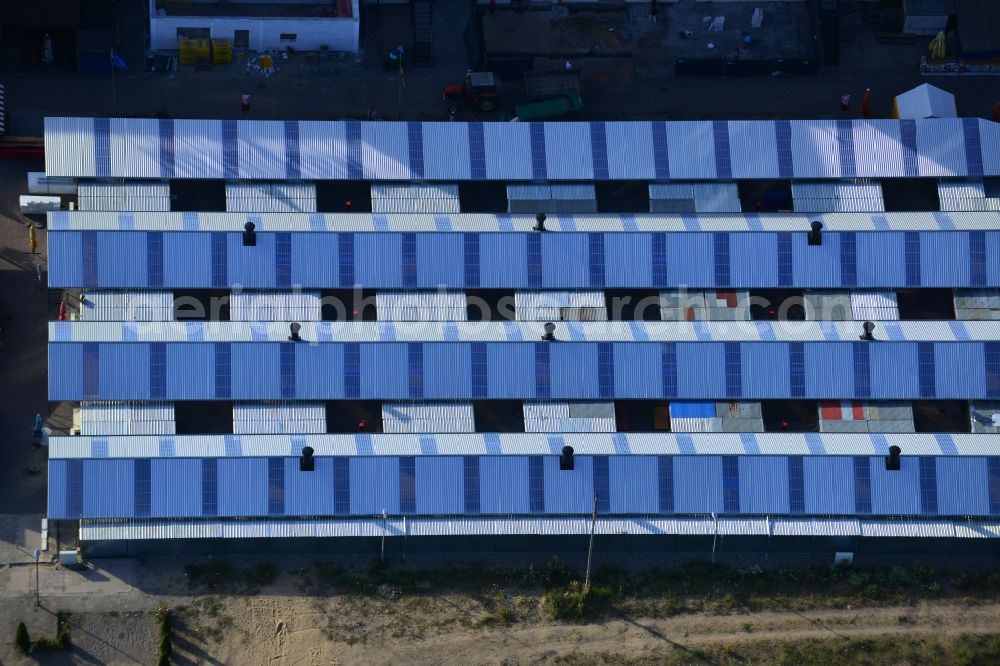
{"x":731,"y":325}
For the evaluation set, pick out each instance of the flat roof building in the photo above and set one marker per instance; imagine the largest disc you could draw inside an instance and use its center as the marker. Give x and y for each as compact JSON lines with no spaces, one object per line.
{"x":731,"y":324}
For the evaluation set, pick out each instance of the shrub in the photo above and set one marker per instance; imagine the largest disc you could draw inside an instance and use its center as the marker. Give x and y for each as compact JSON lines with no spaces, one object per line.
{"x":21,"y":639}
{"x":554,"y":573}
{"x":262,"y":575}
{"x":162,"y":614}
{"x":569,"y":604}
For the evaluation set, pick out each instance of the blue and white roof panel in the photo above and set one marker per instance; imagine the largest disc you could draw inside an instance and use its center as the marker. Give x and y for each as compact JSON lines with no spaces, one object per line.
{"x":682,"y":150}
{"x":497,"y":223}
{"x":965,"y":446}
{"x":888,"y":332}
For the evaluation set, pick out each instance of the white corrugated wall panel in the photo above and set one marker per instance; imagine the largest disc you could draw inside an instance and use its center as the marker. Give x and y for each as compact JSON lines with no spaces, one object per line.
{"x":552,"y":305}
{"x":270,"y":197}
{"x":407,"y":198}
{"x":138,"y":196}
{"x":671,"y":190}
{"x":279,"y":417}
{"x":120,"y":306}
{"x":874,"y":306}
{"x":692,"y":424}
{"x":837,"y":197}
{"x":104,"y":418}
{"x":275,"y":306}
{"x":428,"y":417}
{"x":965,"y":196}
{"x":135,"y":148}
{"x":716,"y":198}
{"x":574,"y":192}
{"x":563,"y":417}
{"x":421,"y":306}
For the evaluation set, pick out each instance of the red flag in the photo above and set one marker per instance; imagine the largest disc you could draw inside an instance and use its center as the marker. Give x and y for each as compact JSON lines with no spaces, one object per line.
{"x":62,"y":311}
{"x":866,"y":102}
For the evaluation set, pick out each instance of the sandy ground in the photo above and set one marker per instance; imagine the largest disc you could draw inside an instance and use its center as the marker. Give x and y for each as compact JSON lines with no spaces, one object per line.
{"x":457,"y":629}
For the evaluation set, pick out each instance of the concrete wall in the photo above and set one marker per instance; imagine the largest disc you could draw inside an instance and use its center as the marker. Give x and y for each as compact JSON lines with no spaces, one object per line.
{"x":977,"y":304}
{"x":705,"y":305}
{"x":338,"y":34}
{"x":827,"y":306}
{"x":884,"y":417}
{"x":739,"y":416}
{"x":982,"y":416}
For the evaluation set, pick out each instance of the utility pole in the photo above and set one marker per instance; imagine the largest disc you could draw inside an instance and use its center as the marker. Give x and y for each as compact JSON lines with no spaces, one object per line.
{"x":590,"y":548}
{"x":385,"y":527}
{"x":38,"y":593}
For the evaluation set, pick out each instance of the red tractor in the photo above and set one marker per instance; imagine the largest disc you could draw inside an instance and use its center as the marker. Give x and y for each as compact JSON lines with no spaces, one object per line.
{"x":479,"y":88}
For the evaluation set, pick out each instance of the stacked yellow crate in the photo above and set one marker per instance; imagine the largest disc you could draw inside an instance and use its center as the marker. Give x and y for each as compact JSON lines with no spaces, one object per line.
{"x":222,"y":51}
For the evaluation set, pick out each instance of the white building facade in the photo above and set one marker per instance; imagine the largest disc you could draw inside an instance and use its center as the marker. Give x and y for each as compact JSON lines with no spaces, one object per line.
{"x":302,"y":25}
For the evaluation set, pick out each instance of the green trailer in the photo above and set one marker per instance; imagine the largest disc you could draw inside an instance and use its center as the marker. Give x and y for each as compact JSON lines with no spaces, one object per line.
{"x":550,"y":108}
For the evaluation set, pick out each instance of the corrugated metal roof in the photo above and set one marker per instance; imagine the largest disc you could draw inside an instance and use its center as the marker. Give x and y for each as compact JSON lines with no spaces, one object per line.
{"x":153,"y":418}
{"x":258,"y":149}
{"x":837,"y":197}
{"x":279,"y":417}
{"x":134,"y":196}
{"x":966,"y":196}
{"x":504,"y":223}
{"x":395,"y":526}
{"x":498,"y":331}
{"x":428,"y":417}
{"x":874,"y":306}
{"x":283,"y":306}
{"x":421,"y":306}
{"x":415,"y":198}
{"x":269,"y":198}
{"x":478,"y":444}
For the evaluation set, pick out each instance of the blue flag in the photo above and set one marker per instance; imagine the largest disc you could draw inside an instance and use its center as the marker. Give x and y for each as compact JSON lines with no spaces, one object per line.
{"x":117,"y":62}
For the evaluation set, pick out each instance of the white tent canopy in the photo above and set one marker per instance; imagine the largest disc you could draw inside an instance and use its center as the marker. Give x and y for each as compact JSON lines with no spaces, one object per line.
{"x":924,"y":101}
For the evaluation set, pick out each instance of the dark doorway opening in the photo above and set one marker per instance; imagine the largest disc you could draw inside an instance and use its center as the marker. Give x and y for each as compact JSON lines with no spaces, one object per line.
{"x":633,"y":304}
{"x":941,"y":416}
{"x":498,"y":415}
{"x":348,"y":305}
{"x":203,"y":196}
{"x":204,"y":417}
{"x":622,"y":196}
{"x":485,"y":196}
{"x":344,"y":196}
{"x":642,"y":415}
{"x":765,"y":195}
{"x":351,"y":416}
{"x":201,"y":304}
{"x":910,"y":194}
{"x":489,"y":305}
{"x":790,"y":415}
{"x":933,"y":304}
{"x":777,"y":305}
